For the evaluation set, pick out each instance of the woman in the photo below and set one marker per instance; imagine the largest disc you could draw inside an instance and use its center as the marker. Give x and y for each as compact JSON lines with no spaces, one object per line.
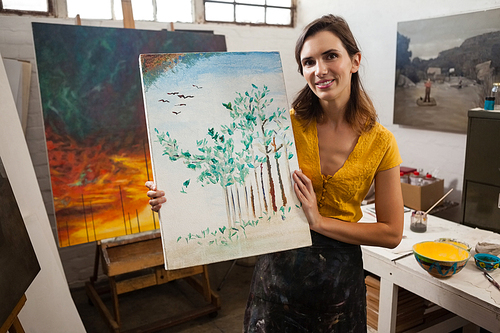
{"x":341,"y":149}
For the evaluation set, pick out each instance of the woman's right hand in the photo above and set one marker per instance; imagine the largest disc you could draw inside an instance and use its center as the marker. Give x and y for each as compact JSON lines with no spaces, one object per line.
{"x":157,"y":197}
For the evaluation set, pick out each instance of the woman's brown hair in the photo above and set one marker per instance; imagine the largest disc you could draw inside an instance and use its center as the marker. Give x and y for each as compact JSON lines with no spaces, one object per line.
{"x":360,"y":112}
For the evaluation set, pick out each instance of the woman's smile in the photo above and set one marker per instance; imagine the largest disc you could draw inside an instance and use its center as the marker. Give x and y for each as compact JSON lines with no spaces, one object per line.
{"x":323,"y":84}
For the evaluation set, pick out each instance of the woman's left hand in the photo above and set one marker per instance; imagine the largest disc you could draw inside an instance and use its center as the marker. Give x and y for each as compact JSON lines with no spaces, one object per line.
{"x":305,"y":192}
{"x":157,"y":197}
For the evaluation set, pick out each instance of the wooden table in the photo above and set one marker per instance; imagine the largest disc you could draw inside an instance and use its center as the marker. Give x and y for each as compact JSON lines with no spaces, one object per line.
{"x":468,"y":294}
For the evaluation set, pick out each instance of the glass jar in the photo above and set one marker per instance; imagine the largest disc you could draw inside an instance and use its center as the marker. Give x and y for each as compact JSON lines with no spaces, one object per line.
{"x":403,"y":177}
{"x":415,"y":178}
{"x":495,"y":92}
{"x":428,"y":179}
{"x":418,"y":221}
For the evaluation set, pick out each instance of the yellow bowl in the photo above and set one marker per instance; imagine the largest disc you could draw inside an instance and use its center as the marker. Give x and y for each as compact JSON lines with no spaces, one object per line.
{"x":440,"y":259}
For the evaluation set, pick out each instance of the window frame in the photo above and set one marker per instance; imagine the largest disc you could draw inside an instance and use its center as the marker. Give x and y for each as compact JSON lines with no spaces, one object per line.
{"x":293,"y":11}
{"x":50,"y":10}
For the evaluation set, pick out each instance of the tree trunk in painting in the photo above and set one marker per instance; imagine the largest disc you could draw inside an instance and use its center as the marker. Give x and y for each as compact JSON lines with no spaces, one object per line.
{"x":280,"y":180}
{"x":238,"y":201}
{"x":267,"y":150}
{"x":228,"y":208}
{"x":247,"y":210}
{"x":271,"y":183}
{"x":252,"y":198}
{"x":255,"y":173}
{"x":263,"y":188}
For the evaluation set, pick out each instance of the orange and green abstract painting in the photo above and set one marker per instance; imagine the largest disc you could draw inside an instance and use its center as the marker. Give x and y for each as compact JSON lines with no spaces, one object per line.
{"x":95,"y":127}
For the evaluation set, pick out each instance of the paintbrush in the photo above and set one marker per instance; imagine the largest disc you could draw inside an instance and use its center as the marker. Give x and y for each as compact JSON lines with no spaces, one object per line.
{"x":492,"y":280}
{"x":437,"y":202}
{"x":403,"y":256}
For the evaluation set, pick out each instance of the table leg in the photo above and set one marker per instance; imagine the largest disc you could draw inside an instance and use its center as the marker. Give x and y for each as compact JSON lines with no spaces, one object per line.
{"x":388,"y":306}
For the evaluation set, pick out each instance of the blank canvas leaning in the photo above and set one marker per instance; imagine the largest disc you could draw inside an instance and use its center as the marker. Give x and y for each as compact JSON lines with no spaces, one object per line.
{"x":222,"y":148}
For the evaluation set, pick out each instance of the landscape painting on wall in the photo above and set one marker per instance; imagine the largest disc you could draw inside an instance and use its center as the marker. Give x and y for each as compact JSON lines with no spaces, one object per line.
{"x":223,"y":150}
{"x":95,"y":127}
{"x":457,"y":57}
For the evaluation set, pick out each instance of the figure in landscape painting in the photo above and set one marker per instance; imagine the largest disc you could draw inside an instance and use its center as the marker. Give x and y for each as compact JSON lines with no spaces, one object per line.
{"x":222,"y":144}
{"x":428,"y":85}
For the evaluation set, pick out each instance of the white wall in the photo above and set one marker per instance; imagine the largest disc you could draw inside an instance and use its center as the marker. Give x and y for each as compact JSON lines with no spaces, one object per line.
{"x":374,"y":24}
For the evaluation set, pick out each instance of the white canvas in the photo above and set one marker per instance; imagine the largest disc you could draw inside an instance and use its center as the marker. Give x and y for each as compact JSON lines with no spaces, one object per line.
{"x":19,"y":75}
{"x":222,"y":149}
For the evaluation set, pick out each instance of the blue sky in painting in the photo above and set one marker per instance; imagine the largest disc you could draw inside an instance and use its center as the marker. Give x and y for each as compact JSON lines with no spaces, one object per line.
{"x":220,"y":77}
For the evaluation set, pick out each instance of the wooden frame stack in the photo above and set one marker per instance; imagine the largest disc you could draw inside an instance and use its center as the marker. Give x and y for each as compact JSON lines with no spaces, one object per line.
{"x":410,"y":311}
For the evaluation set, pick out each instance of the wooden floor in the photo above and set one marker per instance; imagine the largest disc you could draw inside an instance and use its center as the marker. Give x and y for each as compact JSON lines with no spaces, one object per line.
{"x":154,"y":303}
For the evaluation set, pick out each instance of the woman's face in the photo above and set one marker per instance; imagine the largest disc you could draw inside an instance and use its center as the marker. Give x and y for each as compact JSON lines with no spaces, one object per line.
{"x":327,"y":67}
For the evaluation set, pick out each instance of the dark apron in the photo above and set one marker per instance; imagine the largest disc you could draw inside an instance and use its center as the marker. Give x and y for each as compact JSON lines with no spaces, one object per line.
{"x":313,"y":289}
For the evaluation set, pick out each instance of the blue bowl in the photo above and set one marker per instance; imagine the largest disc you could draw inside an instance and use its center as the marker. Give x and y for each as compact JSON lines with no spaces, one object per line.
{"x":486,"y":261}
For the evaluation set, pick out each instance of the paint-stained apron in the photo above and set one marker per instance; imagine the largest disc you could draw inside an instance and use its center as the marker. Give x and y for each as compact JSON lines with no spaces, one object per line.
{"x":313,"y":289}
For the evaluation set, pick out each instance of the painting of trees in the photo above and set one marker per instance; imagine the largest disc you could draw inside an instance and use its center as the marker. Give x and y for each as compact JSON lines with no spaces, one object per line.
{"x":219,"y":163}
{"x":247,"y":152}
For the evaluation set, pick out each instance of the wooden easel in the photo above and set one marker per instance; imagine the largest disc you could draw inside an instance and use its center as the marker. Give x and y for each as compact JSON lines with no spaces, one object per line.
{"x":12,"y":324}
{"x":143,"y":253}
{"x":128,"y":14}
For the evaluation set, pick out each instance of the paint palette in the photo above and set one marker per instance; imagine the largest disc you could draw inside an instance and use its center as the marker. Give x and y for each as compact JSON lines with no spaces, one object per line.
{"x":440,"y":259}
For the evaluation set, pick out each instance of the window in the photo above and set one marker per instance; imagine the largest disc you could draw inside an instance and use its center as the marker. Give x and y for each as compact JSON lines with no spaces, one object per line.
{"x":263,"y":12}
{"x":174,"y":11}
{"x":257,"y":12}
{"x":143,"y":10}
{"x":90,"y":9}
{"x":36,"y":7}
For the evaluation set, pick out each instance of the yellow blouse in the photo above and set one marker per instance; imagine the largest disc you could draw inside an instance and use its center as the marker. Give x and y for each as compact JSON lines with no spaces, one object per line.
{"x":339,"y":196}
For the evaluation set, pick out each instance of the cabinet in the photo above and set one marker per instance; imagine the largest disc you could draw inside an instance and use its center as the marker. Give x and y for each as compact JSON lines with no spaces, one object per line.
{"x":481,"y":185}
